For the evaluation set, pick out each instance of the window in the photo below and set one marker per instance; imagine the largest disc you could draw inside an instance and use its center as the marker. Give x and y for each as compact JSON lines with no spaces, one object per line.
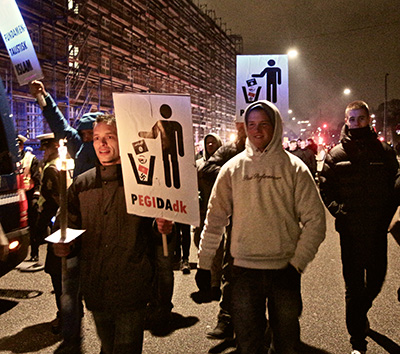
{"x":105,"y":65}
{"x":34,"y":120}
{"x":73,"y":6}
{"x":73,"y":53}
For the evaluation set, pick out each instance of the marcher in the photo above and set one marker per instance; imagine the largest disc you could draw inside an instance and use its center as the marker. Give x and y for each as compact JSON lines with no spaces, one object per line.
{"x":357,"y":185}
{"x":212,"y":142}
{"x":208,"y":173}
{"x":80,"y":148}
{"x":312,"y":146}
{"x":116,"y":272}
{"x":273,"y":241}
{"x":79,"y":140}
{"x":308,"y":158}
{"x":47,"y":206}
{"x":31,"y":171}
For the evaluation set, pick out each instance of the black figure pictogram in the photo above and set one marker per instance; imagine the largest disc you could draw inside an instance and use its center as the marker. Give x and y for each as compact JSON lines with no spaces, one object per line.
{"x":273,"y":79}
{"x":171,"y":144}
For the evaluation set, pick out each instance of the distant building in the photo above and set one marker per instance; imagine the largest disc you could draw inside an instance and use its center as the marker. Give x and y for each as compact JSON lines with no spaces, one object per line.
{"x":89,"y":49}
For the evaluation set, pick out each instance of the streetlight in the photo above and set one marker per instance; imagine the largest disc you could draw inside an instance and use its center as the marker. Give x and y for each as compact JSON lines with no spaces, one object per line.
{"x":292,"y":53}
{"x":347,"y":91}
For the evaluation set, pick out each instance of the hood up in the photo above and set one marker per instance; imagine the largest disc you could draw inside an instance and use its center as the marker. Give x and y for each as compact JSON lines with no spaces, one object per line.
{"x":275,"y":116}
{"x":206,"y":156}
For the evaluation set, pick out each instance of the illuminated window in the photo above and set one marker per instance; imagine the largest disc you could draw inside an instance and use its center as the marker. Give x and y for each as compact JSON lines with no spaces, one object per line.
{"x":73,"y":6}
{"x":73,"y":52}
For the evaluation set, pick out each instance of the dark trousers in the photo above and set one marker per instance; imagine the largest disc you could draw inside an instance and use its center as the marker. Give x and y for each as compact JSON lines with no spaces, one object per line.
{"x":120,"y":333}
{"x":364,"y":260}
{"x":252,"y":289}
{"x":182,"y":241}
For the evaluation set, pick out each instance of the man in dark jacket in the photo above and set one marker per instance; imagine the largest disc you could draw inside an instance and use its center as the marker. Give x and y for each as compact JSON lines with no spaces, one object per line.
{"x":357,"y":186}
{"x":79,"y":140}
{"x":208,"y":173}
{"x":116,"y":272}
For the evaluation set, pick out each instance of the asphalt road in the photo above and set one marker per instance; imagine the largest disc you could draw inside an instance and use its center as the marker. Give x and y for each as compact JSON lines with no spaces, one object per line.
{"x":27,"y":307}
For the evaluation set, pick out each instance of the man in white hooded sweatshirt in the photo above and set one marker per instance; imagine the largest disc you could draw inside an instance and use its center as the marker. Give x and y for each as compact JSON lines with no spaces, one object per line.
{"x":278,"y":223}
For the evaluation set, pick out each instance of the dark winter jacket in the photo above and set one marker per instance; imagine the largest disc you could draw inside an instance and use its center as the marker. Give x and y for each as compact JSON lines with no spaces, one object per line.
{"x":116,"y":272}
{"x":357,"y":181}
{"x":205,"y":184}
{"x":212,"y":166}
{"x":82,"y":152}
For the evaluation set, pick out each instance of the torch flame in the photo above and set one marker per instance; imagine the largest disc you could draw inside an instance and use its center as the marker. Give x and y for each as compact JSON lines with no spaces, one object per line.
{"x":62,"y":153}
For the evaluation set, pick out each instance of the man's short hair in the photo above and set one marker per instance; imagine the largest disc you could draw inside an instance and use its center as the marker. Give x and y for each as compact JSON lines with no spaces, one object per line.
{"x":357,"y":105}
{"x":107,"y":118}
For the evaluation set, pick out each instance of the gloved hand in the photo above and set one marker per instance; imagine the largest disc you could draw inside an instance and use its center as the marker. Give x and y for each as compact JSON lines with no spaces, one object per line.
{"x":203,"y":279}
{"x":398,"y":294}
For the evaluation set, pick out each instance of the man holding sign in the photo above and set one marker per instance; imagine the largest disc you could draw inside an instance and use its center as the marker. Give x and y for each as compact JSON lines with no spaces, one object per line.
{"x":116,"y":272}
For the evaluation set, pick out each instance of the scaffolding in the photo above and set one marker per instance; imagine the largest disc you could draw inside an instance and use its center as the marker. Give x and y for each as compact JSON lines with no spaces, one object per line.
{"x":89,"y":49}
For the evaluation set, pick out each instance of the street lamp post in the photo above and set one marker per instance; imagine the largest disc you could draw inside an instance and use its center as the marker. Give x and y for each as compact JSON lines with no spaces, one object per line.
{"x":385,"y":109}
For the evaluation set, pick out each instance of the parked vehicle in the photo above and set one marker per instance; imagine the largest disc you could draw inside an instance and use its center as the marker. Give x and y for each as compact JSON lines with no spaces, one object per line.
{"x":14,"y":231}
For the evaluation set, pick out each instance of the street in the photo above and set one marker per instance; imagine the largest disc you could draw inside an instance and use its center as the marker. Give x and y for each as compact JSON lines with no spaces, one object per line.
{"x":27,"y":306}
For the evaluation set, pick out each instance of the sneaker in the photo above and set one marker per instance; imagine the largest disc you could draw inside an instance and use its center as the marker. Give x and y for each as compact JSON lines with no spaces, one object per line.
{"x":358,"y":352}
{"x":222,"y":330}
{"x":33,"y":259}
{"x":185,"y":267}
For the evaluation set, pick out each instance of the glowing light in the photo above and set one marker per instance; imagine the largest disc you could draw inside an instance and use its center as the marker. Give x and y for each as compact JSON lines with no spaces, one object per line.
{"x":13,"y":245}
{"x":347,"y":91}
{"x":292,"y":53}
{"x":232,"y":137}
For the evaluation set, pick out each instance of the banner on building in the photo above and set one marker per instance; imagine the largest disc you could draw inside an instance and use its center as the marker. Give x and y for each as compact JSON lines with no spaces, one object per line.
{"x":262,"y":77}
{"x":18,"y":43}
{"x":155,"y":136}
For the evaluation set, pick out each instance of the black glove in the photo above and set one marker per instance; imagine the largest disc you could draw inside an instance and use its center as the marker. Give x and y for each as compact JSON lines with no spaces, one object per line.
{"x":34,"y":202}
{"x":203,"y":279}
{"x":398,"y":294}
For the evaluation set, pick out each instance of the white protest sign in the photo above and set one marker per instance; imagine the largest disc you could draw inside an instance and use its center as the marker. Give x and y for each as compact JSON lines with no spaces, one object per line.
{"x":262,"y":77}
{"x":18,"y":43}
{"x":155,"y":136}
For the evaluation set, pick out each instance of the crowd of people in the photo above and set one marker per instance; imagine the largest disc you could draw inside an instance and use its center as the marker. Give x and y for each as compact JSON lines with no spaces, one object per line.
{"x":251,"y":261}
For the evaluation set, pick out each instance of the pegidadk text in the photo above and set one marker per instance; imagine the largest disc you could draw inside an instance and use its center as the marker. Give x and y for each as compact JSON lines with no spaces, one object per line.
{"x":159,"y":203}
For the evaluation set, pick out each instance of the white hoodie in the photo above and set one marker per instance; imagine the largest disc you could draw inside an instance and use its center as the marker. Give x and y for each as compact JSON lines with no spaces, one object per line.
{"x":277,"y":214}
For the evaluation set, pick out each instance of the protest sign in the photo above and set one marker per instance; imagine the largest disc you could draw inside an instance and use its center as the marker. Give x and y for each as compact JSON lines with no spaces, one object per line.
{"x":155,"y":136}
{"x":262,"y":77}
{"x":18,"y":43}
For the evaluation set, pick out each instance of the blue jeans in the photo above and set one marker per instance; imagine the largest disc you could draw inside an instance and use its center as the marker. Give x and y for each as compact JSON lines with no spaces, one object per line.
{"x":120,"y":333}
{"x":252,"y":288}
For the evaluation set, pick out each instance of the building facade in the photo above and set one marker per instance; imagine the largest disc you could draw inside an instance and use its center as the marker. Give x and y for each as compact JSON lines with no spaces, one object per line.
{"x":90,"y":49}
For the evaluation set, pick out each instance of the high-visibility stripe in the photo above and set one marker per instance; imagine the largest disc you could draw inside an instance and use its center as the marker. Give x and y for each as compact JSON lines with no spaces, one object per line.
{"x":9,"y":198}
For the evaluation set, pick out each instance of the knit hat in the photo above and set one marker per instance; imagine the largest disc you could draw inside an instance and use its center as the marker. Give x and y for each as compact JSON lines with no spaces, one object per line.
{"x":87,"y":120}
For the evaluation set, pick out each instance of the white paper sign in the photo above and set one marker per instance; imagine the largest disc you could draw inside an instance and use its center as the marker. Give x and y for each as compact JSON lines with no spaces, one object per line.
{"x":262,"y":77}
{"x":155,"y":136}
{"x":18,"y":43}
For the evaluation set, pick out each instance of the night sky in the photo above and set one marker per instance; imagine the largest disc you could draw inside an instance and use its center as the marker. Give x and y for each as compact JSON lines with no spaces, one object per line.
{"x":341,"y":44}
